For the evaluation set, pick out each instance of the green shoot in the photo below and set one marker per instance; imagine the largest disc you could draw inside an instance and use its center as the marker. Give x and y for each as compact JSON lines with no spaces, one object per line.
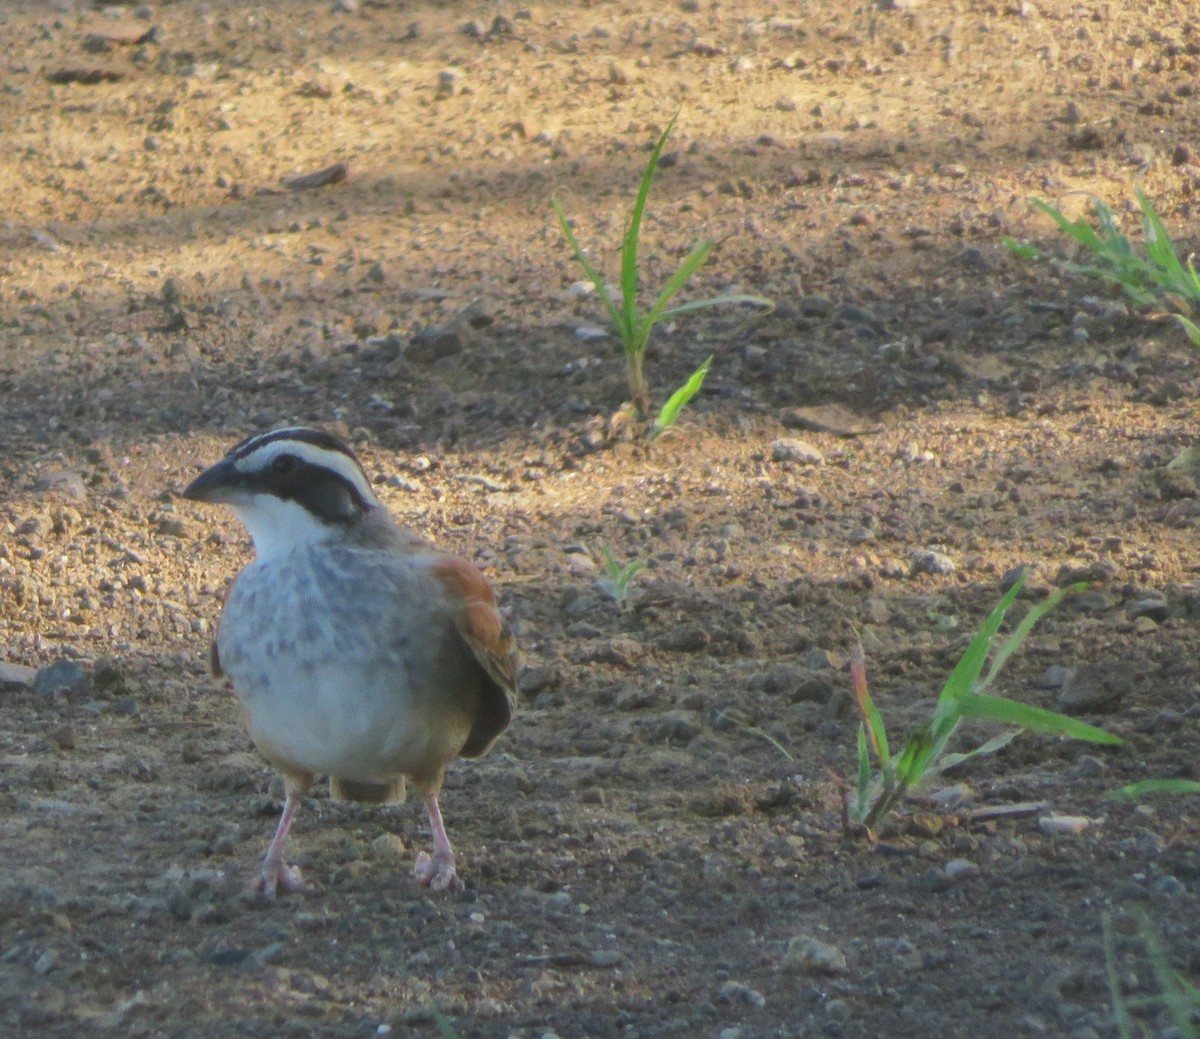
{"x":1176,"y":995}
{"x":1157,"y":279}
{"x":1158,"y":786}
{"x":678,"y":400}
{"x":632,"y":325}
{"x":615,"y":582}
{"x":885,"y":779}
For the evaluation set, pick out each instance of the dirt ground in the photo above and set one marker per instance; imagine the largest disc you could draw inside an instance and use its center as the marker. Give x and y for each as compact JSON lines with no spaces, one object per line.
{"x":655,"y":847}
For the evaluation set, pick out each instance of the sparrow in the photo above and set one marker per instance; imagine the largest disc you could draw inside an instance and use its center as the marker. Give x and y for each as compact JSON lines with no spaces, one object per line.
{"x":358,"y":650}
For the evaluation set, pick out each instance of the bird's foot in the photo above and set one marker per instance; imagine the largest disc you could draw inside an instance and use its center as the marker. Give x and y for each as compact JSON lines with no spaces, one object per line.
{"x":276,"y":875}
{"x":437,"y":872}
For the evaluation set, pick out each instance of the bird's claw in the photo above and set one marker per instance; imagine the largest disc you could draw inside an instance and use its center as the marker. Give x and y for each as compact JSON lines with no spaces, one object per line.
{"x":276,"y":875}
{"x":436,"y":872}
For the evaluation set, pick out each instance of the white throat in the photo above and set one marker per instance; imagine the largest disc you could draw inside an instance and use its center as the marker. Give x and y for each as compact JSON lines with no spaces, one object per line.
{"x":278,"y":526}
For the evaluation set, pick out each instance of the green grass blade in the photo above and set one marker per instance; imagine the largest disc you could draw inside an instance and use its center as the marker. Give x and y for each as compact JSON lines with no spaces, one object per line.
{"x":1159,"y":247}
{"x":1190,"y":328}
{"x":1121,"y":1016}
{"x":1080,"y":230}
{"x":1176,"y":997}
{"x":1158,"y":786}
{"x":594,"y":276}
{"x":716,"y":301}
{"x":629,"y":247}
{"x":444,"y":1027}
{"x":1021,"y":250}
{"x":948,"y":761}
{"x":961,"y":682}
{"x":679,"y":400}
{"x":864,"y":765}
{"x":914,"y":759}
{"x":1035,"y":614}
{"x":694,"y":261}
{"x":1115,"y":243}
{"x":867,"y":711}
{"x":1037,"y":719}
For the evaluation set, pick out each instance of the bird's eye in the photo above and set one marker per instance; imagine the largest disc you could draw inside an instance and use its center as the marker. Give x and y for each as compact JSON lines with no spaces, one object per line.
{"x":283,"y":464}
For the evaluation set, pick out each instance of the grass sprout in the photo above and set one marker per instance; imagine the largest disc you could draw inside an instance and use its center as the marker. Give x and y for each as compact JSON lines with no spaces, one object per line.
{"x":1177,"y":996}
{"x":631,"y":319}
{"x":1157,"y":278}
{"x":1158,"y":786}
{"x":884,"y":778}
{"x":615,"y":582}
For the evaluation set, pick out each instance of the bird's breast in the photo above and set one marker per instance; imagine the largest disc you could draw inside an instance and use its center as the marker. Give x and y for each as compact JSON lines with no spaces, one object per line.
{"x":345,"y":664}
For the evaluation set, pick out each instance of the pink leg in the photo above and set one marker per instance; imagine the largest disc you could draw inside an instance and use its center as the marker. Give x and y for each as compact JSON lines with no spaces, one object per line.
{"x":276,"y":873}
{"x":437,"y":871}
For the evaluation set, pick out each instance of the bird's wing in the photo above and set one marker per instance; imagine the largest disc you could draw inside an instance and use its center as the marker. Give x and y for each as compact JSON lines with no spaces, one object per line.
{"x":487,"y":634}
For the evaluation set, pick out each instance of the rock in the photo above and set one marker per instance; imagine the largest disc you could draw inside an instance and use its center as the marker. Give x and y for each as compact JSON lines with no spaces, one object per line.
{"x":930,"y":561}
{"x":622,"y":73}
{"x":1168,"y":885}
{"x":827,"y":418}
{"x":1164,"y":720}
{"x":1087,"y":766}
{"x":432,"y":344}
{"x":951,"y":797}
{"x":960,"y":869}
{"x":449,"y":82}
{"x":15,"y":676}
{"x":1154,"y":608}
{"x":388,"y":847}
{"x":815,"y":305}
{"x":172,"y":526}
{"x":1064,"y":824}
{"x":1093,"y":687}
{"x":813,"y":955}
{"x":62,"y":482}
{"x":736,"y":992}
{"x":687,"y":638}
{"x":61,"y":676}
{"x":792,"y":449}
{"x":1054,"y":677}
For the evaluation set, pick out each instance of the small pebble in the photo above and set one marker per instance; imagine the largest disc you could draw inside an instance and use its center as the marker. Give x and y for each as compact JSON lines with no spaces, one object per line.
{"x":59,"y":676}
{"x":1168,"y":885}
{"x":960,"y":869}
{"x":792,"y":449}
{"x":930,"y":561}
{"x":1154,"y":609}
{"x":812,"y":954}
{"x":1068,"y":824}
{"x":736,"y":992}
{"x":16,"y":676}
{"x":1092,"y":687}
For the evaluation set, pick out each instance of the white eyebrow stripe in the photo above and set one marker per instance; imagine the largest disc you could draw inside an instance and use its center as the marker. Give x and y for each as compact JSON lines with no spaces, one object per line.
{"x":345,"y":466}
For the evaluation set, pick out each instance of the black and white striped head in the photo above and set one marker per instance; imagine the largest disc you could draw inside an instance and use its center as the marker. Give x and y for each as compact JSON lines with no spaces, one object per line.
{"x":290,"y":487}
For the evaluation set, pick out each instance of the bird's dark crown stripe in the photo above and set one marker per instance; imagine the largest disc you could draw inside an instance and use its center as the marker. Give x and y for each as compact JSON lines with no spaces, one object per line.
{"x":300,"y":434}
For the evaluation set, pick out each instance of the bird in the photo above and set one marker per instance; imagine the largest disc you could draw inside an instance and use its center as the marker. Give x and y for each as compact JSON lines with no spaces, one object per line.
{"x":357,"y":649}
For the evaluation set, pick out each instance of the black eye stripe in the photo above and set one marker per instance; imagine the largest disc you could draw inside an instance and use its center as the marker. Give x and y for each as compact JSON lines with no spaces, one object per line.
{"x":322,"y":487}
{"x":325,"y":493}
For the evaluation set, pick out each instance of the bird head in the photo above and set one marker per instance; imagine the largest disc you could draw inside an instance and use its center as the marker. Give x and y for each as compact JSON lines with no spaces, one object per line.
{"x":290,"y":487}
